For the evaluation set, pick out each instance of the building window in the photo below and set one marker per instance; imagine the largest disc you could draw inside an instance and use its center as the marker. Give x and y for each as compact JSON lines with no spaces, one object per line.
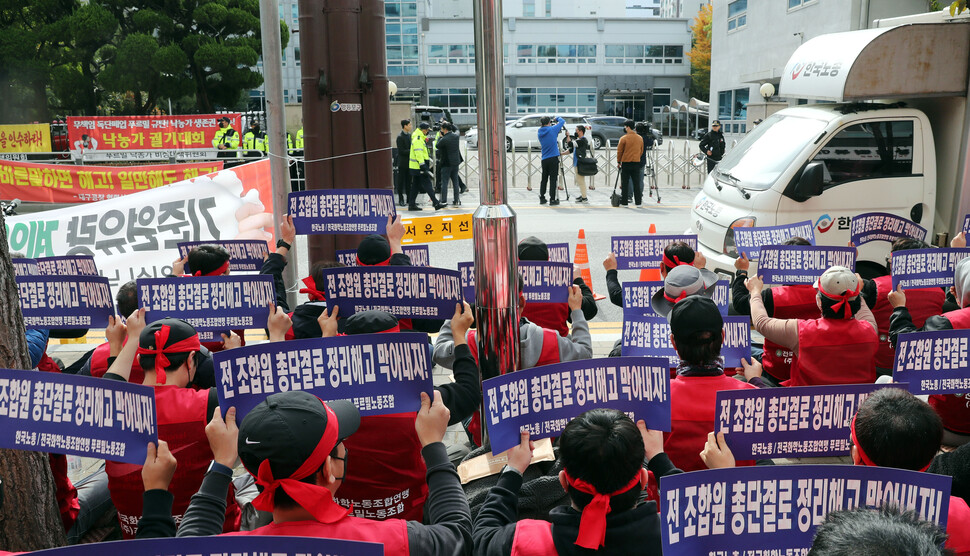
{"x":296,"y":55}
{"x":661,"y":98}
{"x":548,"y":8}
{"x":737,"y":14}
{"x":644,"y":54}
{"x":458,"y":100}
{"x":792,"y":4}
{"x":555,"y":99}
{"x":295,"y":13}
{"x":451,"y":53}
{"x":732,"y":110}
{"x":401,"y":36}
{"x":529,"y":8}
{"x":556,"y":53}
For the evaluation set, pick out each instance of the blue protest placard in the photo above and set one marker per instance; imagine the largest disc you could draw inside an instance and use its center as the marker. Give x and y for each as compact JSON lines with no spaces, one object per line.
{"x":245,"y":545}
{"x":65,"y":301}
{"x":636,"y":252}
{"x":801,"y":421}
{"x":882,"y":226}
{"x":25,"y":267}
{"x":341,"y":211}
{"x":467,"y":273}
{"x":559,"y":253}
{"x":543,"y":399}
{"x":245,"y":255}
{"x":649,"y":336}
{"x":404,"y":291}
{"x":69,"y":265}
{"x":750,"y":240}
{"x":966,"y":225}
{"x":775,"y":509}
{"x":210,"y":304}
{"x":933,"y":362}
{"x":637,"y":296}
{"x":546,"y":282}
{"x":420,"y":255}
{"x":380,"y":373}
{"x":801,"y":264}
{"x":926,"y":268}
{"x":80,"y":415}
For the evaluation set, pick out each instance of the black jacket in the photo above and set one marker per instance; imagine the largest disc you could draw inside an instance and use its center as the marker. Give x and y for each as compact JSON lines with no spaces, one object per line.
{"x":403,"y":150}
{"x":448,"y":147}
{"x":713,"y":141}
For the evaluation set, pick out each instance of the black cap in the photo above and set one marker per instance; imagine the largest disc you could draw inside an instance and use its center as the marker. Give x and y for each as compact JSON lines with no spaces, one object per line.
{"x":373,"y":249}
{"x":370,"y":322}
{"x":178,"y":330}
{"x":715,"y":122}
{"x":285,"y":429}
{"x":424,"y":125}
{"x":533,"y":249}
{"x":225,"y":119}
{"x":693,"y":314}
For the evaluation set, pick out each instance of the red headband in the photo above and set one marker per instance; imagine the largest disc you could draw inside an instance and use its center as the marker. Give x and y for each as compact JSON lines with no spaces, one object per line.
{"x":382,"y":263}
{"x":217,"y":272}
{"x":682,"y":295}
{"x":843,"y":298}
{"x":592,"y":524}
{"x":674,"y":263}
{"x":866,"y":460}
{"x":311,"y":290}
{"x":161,"y":337}
{"x":315,"y":499}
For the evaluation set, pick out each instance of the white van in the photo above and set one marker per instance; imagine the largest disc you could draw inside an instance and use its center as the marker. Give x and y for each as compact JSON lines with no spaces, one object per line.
{"x":863,"y":152}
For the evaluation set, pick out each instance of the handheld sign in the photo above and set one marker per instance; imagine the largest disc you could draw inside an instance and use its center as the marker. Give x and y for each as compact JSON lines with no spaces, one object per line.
{"x":775,"y":509}
{"x":70,"y":265}
{"x":636,"y":252}
{"x":926,"y":268}
{"x":210,"y":304}
{"x":933,"y":362}
{"x":966,"y":225}
{"x":559,"y":253}
{"x":405,"y":292}
{"x":544,"y":399}
{"x":419,"y":255}
{"x":245,"y":255}
{"x":649,"y":336}
{"x":750,"y":240}
{"x":637,"y":296}
{"x":25,"y":267}
{"x":546,"y":282}
{"x":341,"y":211}
{"x":65,"y":301}
{"x":467,"y":273}
{"x":235,"y":545}
{"x":882,"y":226}
{"x":427,"y":229}
{"x":801,"y":264}
{"x":380,"y":373}
{"x":802,"y":421}
{"x":80,"y":415}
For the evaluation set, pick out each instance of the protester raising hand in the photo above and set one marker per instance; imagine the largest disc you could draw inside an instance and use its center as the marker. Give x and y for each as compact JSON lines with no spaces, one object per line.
{"x":328,"y":322}
{"x":432,"y":420}
{"x":231,"y":340}
{"x":575,"y":299}
{"x":395,"y":233}
{"x":897,"y":297}
{"x":223,"y":435}
{"x":178,"y":266}
{"x":520,"y":456}
{"x":287,"y":235}
{"x":653,"y":441}
{"x":752,"y":369}
{"x":610,"y":262}
{"x":462,"y":320}
{"x":716,"y":453}
{"x":959,"y":240}
{"x":754,"y":284}
{"x":741,"y":263}
{"x":278,"y":323}
{"x":115,"y":334}
{"x":159,"y":467}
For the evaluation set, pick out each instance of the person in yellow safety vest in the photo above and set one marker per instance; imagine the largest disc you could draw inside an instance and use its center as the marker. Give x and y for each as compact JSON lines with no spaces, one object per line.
{"x":226,"y":139}
{"x":420,"y":168}
{"x":254,"y":142}
{"x":299,"y":139}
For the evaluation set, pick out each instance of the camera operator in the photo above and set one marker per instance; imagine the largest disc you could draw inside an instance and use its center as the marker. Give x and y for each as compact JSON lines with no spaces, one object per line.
{"x":580,"y":148}
{"x":549,"y":141}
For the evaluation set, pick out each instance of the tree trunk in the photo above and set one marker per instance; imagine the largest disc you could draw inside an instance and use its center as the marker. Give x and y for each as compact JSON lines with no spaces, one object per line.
{"x":29,"y":517}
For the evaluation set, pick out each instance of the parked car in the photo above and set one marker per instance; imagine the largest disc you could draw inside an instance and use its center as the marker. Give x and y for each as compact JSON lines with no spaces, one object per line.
{"x":471,"y":136}
{"x":519,"y":133}
{"x":610,"y":128}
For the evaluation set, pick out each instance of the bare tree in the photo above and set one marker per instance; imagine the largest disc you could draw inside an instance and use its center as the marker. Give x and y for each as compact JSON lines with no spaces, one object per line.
{"x":29,"y":516}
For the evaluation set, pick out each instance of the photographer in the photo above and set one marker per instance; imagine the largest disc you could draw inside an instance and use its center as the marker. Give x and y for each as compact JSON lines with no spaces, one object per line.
{"x":450,"y":154}
{"x":628,"y":154}
{"x":580,"y":148}
{"x":549,"y":140}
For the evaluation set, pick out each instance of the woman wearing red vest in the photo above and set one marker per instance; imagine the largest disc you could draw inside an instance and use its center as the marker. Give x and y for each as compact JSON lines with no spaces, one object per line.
{"x":953,"y":408}
{"x":167,"y":352}
{"x":554,"y":316}
{"x":838,"y":348}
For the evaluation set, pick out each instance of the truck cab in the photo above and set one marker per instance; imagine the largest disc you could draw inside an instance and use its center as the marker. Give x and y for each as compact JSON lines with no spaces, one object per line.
{"x":890,"y":136}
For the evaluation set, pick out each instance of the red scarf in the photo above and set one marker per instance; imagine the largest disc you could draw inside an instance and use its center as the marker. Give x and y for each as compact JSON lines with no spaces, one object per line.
{"x":842,"y":298}
{"x":592,"y":524}
{"x":674,"y":263}
{"x":311,"y":289}
{"x":866,"y":460}
{"x":161,"y":338}
{"x":682,"y":295}
{"x":382,"y":263}
{"x":217,"y":272}
{"x":315,"y":499}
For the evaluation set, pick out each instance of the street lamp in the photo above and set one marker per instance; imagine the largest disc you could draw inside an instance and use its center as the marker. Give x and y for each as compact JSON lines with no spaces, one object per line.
{"x":767,"y":91}
{"x":391,"y":88}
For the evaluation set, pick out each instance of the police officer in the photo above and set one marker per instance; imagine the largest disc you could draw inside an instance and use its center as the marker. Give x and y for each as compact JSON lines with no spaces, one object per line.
{"x":712,"y":144}
{"x":254,"y":141}
{"x":226,"y":139}
{"x":420,"y":167}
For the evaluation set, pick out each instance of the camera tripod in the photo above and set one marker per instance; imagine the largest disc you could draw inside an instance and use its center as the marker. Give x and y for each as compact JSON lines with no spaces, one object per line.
{"x":650,"y":175}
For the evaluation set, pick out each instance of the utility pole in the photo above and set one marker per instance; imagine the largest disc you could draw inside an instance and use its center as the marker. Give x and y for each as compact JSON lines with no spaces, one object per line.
{"x":276,"y":125}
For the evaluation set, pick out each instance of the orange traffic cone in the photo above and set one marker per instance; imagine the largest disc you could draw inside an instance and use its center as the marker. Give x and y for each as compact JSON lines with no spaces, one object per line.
{"x":582,"y":261}
{"x":651,"y":274}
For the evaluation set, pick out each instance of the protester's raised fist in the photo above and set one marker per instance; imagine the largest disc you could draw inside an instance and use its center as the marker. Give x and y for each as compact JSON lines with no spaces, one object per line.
{"x":752,"y":369}
{"x":575,"y":298}
{"x":328,"y":322}
{"x":716,"y":454}
{"x":135,"y":324}
{"x":395,"y":229}
{"x":159,"y":467}
{"x":959,"y":240}
{"x":740,"y":263}
{"x":700,"y":261}
{"x":897,"y":297}
{"x":231,"y":340}
{"x":278,"y":323}
{"x":223,"y":435}
{"x":610,"y":262}
{"x":653,"y":441}
{"x":461,"y":321}
{"x":754,"y":284}
{"x":116,"y":331}
{"x":288,"y":230}
{"x":520,"y":456}
{"x":432,"y":421}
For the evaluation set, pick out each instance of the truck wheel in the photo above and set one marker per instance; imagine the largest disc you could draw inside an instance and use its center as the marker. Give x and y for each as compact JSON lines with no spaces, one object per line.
{"x":508,"y":144}
{"x":870,"y":270}
{"x":598,"y":142}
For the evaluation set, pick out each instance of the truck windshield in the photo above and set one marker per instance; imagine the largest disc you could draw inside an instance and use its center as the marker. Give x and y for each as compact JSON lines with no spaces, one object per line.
{"x":768,"y":150}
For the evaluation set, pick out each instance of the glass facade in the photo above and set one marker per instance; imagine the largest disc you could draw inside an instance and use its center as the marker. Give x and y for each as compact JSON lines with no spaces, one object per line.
{"x":555,"y":99}
{"x":732,"y":110}
{"x":401,"y":32}
{"x":556,"y":53}
{"x":458,"y":100}
{"x":644,"y":54}
{"x":737,"y":14}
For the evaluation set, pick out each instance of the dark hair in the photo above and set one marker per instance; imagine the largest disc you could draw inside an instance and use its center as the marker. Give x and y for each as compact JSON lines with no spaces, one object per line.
{"x":829,"y":313}
{"x":897,"y":429}
{"x":581,"y":128}
{"x":127,"y":299}
{"x":700,"y":348}
{"x":175,"y":361}
{"x":678,"y":249}
{"x":207,"y":258}
{"x":629,"y":124}
{"x":405,"y":122}
{"x":641,"y":128}
{"x":885,"y":531}
{"x":316,"y":272}
{"x":545,"y":120}
{"x":604,"y":448}
{"x":796,"y":240}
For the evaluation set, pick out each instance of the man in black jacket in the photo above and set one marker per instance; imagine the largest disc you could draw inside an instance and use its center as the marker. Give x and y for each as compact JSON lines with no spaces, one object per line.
{"x":403,"y":185}
{"x":712,"y":144}
{"x":450,"y":154}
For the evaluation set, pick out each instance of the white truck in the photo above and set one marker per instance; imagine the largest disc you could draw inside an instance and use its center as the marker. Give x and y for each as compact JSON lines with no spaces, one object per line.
{"x":891,"y":136}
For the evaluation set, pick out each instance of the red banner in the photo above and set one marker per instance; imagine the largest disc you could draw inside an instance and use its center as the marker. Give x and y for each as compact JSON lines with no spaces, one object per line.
{"x":61,"y":183}
{"x":116,"y":133}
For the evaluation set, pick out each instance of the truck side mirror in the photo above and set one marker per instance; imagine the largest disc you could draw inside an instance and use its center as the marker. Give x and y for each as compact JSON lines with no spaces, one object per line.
{"x":810,"y":182}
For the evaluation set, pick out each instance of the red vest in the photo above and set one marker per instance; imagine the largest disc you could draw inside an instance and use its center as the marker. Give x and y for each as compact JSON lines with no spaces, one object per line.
{"x":548,"y":356}
{"x":834,"y":351}
{"x":922,"y":303}
{"x":99,"y":365}
{"x":393,"y":533}
{"x":958,"y":525}
{"x":953,"y":409}
{"x":790,"y":302}
{"x":533,"y":537}
{"x":549,"y":315}
{"x":959,"y":319}
{"x":181,"y":423}
{"x":692,"y":416}
{"x":386,"y":478}
{"x":64,"y":491}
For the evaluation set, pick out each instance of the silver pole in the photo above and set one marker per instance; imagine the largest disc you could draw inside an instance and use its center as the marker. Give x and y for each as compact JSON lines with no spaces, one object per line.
{"x":494,"y":223}
{"x":276,"y":125}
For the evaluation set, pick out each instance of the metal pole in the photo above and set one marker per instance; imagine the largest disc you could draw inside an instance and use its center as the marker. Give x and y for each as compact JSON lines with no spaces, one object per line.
{"x":494,"y":223}
{"x":276,"y":125}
